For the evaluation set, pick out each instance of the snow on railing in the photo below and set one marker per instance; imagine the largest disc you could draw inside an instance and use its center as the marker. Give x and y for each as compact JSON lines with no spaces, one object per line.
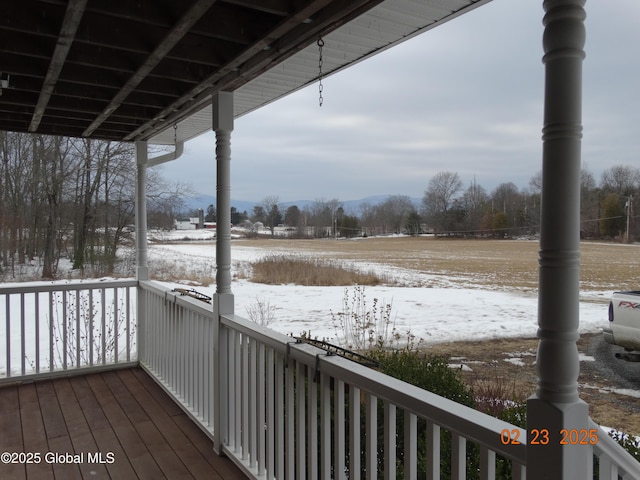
{"x":613,"y":461}
{"x":48,"y":328}
{"x":177,"y":345}
{"x":292,"y":411}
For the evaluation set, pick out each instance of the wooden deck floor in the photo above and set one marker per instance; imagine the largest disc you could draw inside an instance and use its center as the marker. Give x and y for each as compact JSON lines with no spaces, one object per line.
{"x":121,"y":418}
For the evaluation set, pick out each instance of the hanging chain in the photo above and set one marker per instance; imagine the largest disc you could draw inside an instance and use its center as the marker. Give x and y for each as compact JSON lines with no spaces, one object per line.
{"x":320,"y":86}
{"x":175,"y":134}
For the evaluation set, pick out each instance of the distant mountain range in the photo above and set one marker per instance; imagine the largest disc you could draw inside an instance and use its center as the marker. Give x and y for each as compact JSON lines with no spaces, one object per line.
{"x":350,"y":206}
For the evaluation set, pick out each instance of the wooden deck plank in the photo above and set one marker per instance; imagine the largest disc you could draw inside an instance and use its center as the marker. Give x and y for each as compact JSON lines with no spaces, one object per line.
{"x":81,"y":438}
{"x":163,"y":453}
{"x":157,"y":392}
{"x":130,"y":405}
{"x":9,"y":421}
{"x":137,"y":452}
{"x":70,"y":407}
{"x":67,"y":467}
{"x":107,"y":443}
{"x":14,"y":471}
{"x":157,"y":445}
{"x":144,"y":388}
{"x":96,"y":419}
{"x":100,"y":430}
{"x":58,"y":440}
{"x":225,"y":467}
{"x":33,"y":432}
{"x":123,"y":415}
{"x":11,"y":433}
{"x":52,"y":418}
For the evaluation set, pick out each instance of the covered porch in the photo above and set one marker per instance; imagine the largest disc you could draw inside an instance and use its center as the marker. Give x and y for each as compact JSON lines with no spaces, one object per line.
{"x":274,"y":407}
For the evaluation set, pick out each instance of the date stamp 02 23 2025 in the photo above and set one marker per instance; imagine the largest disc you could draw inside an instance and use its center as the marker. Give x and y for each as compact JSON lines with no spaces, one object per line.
{"x":542,"y":436}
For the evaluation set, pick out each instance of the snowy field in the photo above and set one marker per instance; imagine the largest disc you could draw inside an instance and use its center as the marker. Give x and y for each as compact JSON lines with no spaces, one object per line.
{"x":440,"y":312}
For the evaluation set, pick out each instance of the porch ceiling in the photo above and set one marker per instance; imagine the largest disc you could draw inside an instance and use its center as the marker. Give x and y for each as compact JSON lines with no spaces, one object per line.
{"x":135,"y":70}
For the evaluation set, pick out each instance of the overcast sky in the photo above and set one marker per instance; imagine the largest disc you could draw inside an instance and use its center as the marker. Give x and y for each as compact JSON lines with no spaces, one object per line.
{"x":465,"y":97}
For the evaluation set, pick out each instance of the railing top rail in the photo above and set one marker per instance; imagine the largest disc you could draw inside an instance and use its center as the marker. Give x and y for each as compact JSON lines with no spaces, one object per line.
{"x":36,"y":287}
{"x":185,"y":301}
{"x":470,"y":423}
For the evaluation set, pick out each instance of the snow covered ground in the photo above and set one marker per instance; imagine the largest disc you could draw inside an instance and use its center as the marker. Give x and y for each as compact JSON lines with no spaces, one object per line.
{"x":444,"y":312}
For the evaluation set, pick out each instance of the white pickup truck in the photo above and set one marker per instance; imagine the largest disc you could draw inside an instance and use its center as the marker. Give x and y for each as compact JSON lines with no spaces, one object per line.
{"x":624,"y":324}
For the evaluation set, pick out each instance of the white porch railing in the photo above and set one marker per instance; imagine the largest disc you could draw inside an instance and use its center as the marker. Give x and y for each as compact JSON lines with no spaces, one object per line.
{"x":177,"y":341}
{"x":293,"y":411}
{"x":48,"y":329}
{"x":288,"y":410}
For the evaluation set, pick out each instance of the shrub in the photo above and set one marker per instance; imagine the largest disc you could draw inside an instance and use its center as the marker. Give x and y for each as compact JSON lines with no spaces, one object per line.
{"x":498,"y":398}
{"x":362,"y":326}
{"x":261,"y":311}
{"x":430,"y":373}
{"x":629,"y":443}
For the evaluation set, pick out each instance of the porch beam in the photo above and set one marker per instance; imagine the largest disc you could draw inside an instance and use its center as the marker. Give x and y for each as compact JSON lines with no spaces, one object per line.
{"x":556,"y":406}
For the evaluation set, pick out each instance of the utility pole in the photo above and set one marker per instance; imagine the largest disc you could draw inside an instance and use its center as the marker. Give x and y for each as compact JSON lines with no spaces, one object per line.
{"x":628,"y":207}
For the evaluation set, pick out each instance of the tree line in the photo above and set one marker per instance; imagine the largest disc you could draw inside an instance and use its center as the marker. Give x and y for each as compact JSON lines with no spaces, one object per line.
{"x":608,"y":210}
{"x":72,"y":198}
{"x":607,"y":207}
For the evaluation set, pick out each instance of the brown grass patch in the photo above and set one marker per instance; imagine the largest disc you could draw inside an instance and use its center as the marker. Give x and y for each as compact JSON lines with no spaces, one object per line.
{"x":297,"y":270}
{"x":185,"y":274}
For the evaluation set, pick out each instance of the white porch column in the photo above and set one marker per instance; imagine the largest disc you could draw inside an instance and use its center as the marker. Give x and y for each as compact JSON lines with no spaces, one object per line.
{"x":223,"y":298}
{"x":556,"y":407}
{"x":142,"y":268}
{"x":223,"y":126}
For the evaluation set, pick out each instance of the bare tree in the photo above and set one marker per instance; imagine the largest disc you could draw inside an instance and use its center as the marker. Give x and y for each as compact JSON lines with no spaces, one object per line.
{"x":88,"y":178}
{"x":474,"y":203}
{"x":368,"y":218}
{"x":442,"y":189}
{"x":117,"y":197}
{"x":535,"y":183}
{"x":621,"y":179}
{"x":165,"y":200}
{"x":439,"y":197}
{"x":394,"y":210}
{"x":16,"y":190}
{"x":323,"y":216}
{"x":272,"y":215}
{"x":55,"y":163}
{"x":589,"y":205}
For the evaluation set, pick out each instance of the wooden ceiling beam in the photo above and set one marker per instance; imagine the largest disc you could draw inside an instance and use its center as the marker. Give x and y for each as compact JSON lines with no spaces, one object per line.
{"x":175,"y":35}
{"x":72,"y":17}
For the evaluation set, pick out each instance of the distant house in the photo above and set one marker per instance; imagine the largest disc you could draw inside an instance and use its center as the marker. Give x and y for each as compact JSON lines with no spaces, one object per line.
{"x":185,"y":224}
{"x":191,"y":223}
